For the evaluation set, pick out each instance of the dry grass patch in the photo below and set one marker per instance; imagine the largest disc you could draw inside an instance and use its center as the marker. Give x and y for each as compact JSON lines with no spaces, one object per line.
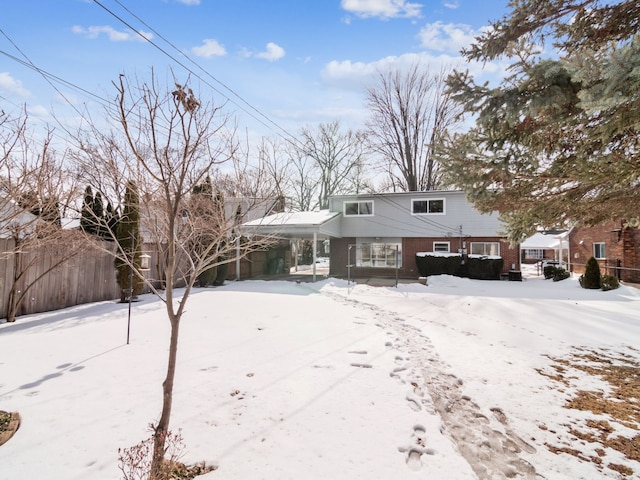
{"x":5,"y":418}
{"x":618,"y":404}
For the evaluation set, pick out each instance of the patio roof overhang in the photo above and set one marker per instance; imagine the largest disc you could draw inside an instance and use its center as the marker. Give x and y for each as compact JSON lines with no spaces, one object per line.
{"x":304,"y":225}
{"x":297,"y":225}
{"x":545,"y":241}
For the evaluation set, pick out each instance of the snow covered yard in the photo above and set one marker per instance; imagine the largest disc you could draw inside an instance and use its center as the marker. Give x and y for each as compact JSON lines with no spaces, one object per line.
{"x":459,"y":379}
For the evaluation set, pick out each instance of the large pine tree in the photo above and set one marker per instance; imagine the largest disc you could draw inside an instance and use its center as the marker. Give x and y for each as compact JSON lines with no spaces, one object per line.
{"x":129,"y":241}
{"x":86,"y":215}
{"x":98,"y":215}
{"x":111,"y":222}
{"x":204,"y":215}
{"x":557,"y":141}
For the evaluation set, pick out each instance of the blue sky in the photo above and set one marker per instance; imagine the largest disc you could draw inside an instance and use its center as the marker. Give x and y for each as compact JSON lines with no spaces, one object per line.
{"x":297,"y":62}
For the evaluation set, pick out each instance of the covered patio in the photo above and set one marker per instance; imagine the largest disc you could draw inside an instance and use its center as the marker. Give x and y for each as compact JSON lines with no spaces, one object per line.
{"x":558,"y":242}
{"x":314,"y":226}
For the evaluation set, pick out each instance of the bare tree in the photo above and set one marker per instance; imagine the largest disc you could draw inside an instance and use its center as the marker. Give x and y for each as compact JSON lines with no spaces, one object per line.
{"x":324,"y":161}
{"x":305,"y":180}
{"x":172,"y":143}
{"x":338,"y":157}
{"x":35,"y":187}
{"x":273,"y":154}
{"x":409,"y":114}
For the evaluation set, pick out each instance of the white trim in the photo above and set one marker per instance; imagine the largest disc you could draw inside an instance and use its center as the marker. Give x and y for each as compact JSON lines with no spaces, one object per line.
{"x":604,"y":245}
{"x":429,"y":200}
{"x":534,"y":253}
{"x":376,"y":245}
{"x":484,"y":243}
{"x":344,"y":208}
{"x":448,"y":244}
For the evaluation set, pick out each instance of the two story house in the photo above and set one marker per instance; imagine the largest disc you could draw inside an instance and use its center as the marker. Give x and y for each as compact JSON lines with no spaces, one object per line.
{"x":380,"y":234}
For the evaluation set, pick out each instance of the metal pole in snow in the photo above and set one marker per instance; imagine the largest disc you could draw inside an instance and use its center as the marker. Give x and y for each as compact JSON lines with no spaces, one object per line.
{"x":130,"y":286}
{"x":397,"y":266}
{"x":237,"y":258}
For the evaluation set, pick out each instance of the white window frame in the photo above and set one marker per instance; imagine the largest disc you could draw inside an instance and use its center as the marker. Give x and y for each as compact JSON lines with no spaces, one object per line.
{"x":428,"y":200}
{"x":440,"y":244}
{"x":534,"y":253}
{"x":359,"y":214}
{"x":378,"y":255}
{"x":602,"y":250}
{"x":484,"y":245}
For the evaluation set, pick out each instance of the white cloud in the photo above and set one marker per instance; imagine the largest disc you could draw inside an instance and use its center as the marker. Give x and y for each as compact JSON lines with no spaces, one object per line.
{"x":447,"y":37}
{"x":453,"y":5}
{"x":359,"y":75}
{"x":189,"y":2}
{"x":382,"y":8}
{"x":111,"y":33}
{"x":272,"y":53}
{"x":12,"y":86}
{"x":209,"y":48}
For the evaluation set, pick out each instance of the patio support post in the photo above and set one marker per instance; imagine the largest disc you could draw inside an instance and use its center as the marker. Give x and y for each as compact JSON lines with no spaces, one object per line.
{"x":238,"y":258}
{"x":315,"y":253}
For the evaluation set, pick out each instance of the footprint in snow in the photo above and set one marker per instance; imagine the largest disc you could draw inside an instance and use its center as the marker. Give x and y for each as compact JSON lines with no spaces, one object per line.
{"x":417,"y":449}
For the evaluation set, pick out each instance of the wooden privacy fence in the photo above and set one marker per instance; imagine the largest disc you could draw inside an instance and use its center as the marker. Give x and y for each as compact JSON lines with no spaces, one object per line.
{"x":87,"y":277}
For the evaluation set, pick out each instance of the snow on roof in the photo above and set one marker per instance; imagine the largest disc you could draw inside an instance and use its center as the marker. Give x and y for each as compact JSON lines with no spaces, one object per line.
{"x":543,"y":241}
{"x":294,"y":218}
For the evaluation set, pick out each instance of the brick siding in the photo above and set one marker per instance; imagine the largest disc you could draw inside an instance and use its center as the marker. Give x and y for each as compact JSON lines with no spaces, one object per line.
{"x":622,"y":245}
{"x":410,"y":246}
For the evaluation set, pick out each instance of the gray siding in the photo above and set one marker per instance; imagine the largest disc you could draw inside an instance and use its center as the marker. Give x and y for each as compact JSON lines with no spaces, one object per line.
{"x":392,"y":217}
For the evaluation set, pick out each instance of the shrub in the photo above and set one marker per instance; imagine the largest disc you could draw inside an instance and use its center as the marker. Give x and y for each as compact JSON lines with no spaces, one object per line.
{"x":549,"y":271}
{"x":483,"y":268}
{"x":223,"y":270}
{"x":438,"y":265}
{"x":560,"y":274}
{"x":135,"y":462}
{"x":591,"y":277}
{"x":207,"y":277}
{"x":609,"y":282}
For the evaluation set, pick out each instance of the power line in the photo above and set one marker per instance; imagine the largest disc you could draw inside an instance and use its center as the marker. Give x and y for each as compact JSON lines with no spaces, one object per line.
{"x":423,"y":219}
{"x":51,"y":76}
{"x":45,"y":76}
{"x":287,"y":136}
{"x":51,"y":79}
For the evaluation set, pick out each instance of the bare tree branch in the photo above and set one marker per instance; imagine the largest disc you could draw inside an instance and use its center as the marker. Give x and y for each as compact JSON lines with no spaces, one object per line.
{"x":410,"y":113}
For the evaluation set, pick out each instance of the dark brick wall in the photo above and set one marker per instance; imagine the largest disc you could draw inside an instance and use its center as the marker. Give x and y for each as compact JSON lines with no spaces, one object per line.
{"x":338,"y":256}
{"x":410,"y":246}
{"x":622,"y":247}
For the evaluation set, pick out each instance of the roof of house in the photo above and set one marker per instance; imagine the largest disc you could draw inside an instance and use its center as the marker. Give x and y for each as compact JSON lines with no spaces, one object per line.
{"x":400,"y":194}
{"x":544,"y":241}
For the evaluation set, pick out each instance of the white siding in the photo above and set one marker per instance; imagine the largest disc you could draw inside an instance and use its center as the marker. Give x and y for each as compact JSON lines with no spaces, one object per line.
{"x":393,"y":217}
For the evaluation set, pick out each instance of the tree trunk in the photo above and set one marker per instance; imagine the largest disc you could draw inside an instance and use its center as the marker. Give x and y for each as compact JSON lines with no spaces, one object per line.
{"x":162,"y":428}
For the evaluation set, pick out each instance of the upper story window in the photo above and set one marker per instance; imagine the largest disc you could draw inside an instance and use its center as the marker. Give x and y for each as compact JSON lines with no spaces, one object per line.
{"x":599,"y":250}
{"x":364,"y":207}
{"x":431,"y":206}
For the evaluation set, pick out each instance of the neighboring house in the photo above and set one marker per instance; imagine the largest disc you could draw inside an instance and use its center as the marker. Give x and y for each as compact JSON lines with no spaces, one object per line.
{"x":550,"y":245}
{"x":15,"y":220}
{"x":616,"y":247}
{"x":380,"y":234}
{"x":236,"y":210}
